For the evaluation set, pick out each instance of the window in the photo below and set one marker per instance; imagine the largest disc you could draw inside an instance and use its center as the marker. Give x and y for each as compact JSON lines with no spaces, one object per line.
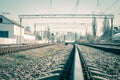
{"x":4,"y":34}
{"x":1,"y":20}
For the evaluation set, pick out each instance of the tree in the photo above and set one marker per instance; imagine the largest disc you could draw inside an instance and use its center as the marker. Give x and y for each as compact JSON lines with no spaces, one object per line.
{"x":90,"y":38}
{"x":106,"y":29}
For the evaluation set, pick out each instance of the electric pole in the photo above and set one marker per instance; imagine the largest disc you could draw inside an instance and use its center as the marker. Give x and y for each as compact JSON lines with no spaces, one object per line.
{"x":94,"y":27}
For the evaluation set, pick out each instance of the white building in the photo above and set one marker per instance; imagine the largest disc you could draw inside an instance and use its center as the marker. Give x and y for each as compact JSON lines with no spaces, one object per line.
{"x":10,"y":32}
{"x":28,"y":37}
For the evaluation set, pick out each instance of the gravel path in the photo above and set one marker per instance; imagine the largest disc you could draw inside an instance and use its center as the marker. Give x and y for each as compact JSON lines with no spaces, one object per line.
{"x":35,"y":63}
{"x":105,"y":61}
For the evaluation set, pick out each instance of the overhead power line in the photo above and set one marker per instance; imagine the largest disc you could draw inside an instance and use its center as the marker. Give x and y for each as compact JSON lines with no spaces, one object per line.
{"x":50,"y":3}
{"x":77,"y":3}
{"x":111,"y":5}
{"x":44,"y":5}
{"x":97,"y":3}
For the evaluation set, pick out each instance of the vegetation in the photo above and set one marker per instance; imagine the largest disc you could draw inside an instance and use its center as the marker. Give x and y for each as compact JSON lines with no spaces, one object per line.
{"x":106,"y":30}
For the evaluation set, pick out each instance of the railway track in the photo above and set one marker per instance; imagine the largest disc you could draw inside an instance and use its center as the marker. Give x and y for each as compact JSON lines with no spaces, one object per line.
{"x":83,"y":71}
{"x":15,"y":48}
{"x":102,"y":45}
{"x":114,"y":48}
{"x":100,"y":64}
{"x":48,"y":63}
{"x":76,"y":65}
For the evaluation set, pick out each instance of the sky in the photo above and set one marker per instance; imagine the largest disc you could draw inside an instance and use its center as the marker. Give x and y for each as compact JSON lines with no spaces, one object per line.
{"x":19,"y":7}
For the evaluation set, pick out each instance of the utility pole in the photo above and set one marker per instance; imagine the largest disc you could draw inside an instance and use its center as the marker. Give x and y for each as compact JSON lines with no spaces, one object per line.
{"x":86,"y":32}
{"x":20,"y":30}
{"x":75,"y":37}
{"x":52,"y":37}
{"x":35,"y":32}
{"x":48,"y":34}
{"x":64,"y":37}
{"x":34,"y":29}
{"x":94,"y":27}
{"x":111,"y":28}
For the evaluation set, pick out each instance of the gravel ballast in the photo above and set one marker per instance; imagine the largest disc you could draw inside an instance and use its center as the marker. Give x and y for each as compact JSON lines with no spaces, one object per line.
{"x":107,"y":62}
{"x":40,"y":63}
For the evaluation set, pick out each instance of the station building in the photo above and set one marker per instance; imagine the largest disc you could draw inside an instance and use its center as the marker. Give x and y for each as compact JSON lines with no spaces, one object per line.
{"x":10,"y":32}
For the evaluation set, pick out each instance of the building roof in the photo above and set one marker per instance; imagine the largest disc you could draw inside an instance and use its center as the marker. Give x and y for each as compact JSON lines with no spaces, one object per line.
{"x":12,"y":21}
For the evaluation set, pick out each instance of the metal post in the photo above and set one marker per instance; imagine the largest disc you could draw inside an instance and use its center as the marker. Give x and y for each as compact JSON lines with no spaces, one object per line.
{"x":64,"y":37}
{"x":48,"y":34}
{"x":86,"y":32}
{"x":35,"y":30}
{"x":20,"y":30}
{"x":111,"y":28}
{"x":75,"y":37}
{"x":94,"y":27}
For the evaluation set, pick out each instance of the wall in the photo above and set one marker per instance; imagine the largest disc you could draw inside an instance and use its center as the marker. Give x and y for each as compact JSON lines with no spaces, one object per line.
{"x":13,"y":30}
{"x":17,"y":30}
{"x":7,"y":41}
{"x":9,"y":28}
{"x":28,"y":38}
{"x":17,"y":33}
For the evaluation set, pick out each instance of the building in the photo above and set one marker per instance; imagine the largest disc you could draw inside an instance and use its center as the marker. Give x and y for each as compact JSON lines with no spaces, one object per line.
{"x":12,"y":33}
{"x":28,"y":37}
{"x":10,"y":30}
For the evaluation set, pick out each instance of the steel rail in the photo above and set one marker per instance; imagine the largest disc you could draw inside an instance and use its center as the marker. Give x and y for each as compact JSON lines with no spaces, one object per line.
{"x":77,"y":68}
{"x":104,"y":48}
{"x":12,"y":49}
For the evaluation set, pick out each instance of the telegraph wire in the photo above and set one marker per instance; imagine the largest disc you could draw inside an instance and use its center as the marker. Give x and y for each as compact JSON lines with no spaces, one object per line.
{"x":97,"y":3}
{"x":44,"y":5}
{"x":50,"y":3}
{"x":76,"y":5}
{"x":75,"y":9}
{"x":111,"y":6}
{"x":117,"y":9}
